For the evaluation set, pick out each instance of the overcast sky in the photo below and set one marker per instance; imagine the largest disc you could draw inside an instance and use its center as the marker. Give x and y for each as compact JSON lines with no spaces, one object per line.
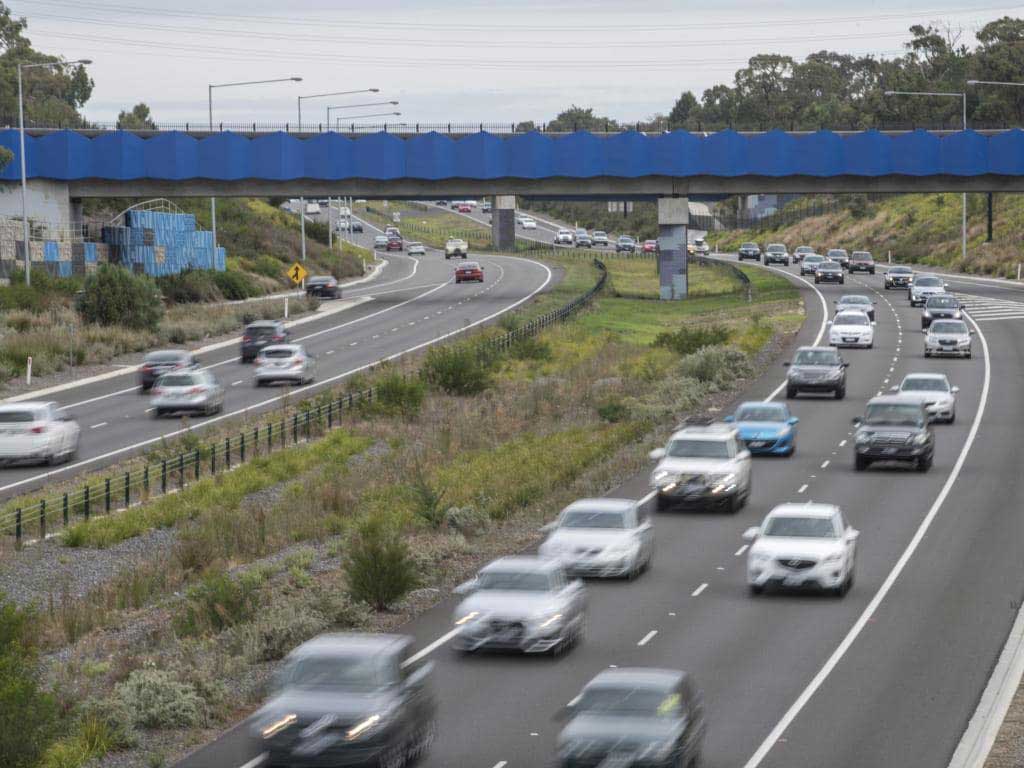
{"x":453,"y":60}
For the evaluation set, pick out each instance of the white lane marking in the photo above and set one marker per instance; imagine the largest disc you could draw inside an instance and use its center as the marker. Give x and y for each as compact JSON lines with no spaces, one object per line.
{"x":97,"y":426}
{"x":236,"y":383}
{"x":698,"y":590}
{"x":429,"y":649}
{"x":671,"y":613}
{"x":741,"y":550}
{"x":393,"y":330}
{"x":330,"y":351}
{"x":256,"y":761}
{"x":501,"y":764}
{"x":376,"y":335}
{"x":412,"y":322}
{"x":719,"y":567}
{"x":648,"y":637}
{"x":354,"y":343}
{"x":802,"y":488}
{"x":847,"y":642}
{"x":842,"y":443}
{"x":825,"y":463}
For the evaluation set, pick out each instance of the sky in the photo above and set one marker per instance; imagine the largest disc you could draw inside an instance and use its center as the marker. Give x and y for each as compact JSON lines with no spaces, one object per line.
{"x":452,"y":60}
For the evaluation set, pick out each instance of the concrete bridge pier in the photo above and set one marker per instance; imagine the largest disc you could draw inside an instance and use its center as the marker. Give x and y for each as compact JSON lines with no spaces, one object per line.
{"x":673,"y":219}
{"x":503,"y":222}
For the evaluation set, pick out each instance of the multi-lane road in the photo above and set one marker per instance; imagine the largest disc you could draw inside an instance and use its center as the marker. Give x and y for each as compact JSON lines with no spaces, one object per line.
{"x":888,"y":675}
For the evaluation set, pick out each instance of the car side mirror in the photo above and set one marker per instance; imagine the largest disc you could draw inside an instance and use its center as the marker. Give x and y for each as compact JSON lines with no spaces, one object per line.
{"x":786,"y":364}
{"x":894,"y":389}
{"x":657,"y":454}
{"x":857,"y":421}
{"x":852,"y":534}
{"x":846,"y":365}
{"x":751,"y":533}
{"x":729,"y":419}
{"x":792,"y":421}
{"x":465,"y":587}
{"x":954,"y":390}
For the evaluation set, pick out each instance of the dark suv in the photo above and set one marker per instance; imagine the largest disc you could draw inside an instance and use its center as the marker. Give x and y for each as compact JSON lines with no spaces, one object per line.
{"x":893,"y":428}
{"x":261,"y":334}
{"x":156,"y":364}
{"x":941,"y":306}
{"x":861,"y":261}
{"x":816,"y":369}
{"x":750,"y":251}
{"x":325,"y":286}
{"x":348,"y":700}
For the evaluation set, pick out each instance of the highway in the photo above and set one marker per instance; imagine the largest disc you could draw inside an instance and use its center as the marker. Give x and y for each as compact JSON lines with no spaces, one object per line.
{"x":410,"y":304}
{"x":888,"y":675}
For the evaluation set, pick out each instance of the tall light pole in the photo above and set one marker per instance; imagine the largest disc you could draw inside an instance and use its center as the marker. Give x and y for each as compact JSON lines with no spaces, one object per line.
{"x":213,"y":200}
{"x":1002,"y":84}
{"x":325,"y":95}
{"x":21,"y":145}
{"x":963,"y":200}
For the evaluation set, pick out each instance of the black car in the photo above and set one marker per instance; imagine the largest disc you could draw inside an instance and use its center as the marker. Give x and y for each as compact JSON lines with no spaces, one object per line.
{"x":325,"y":286}
{"x":829,"y":272}
{"x":634,"y":716}
{"x":259,"y":335}
{"x":750,"y":251}
{"x":625,"y":245}
{"x":898,"y":277}
{"x":893,"y":428}
{"x":816,"y":369}
{"x":839,"y":256}
{"x":856,"y":301}
{"x":861,"y":261}
{"x":156,"y":364}
{"x":353,"y":700}
{"x":355,"y":225}
{"x":941,"y":306}
{"x":776,"y":253}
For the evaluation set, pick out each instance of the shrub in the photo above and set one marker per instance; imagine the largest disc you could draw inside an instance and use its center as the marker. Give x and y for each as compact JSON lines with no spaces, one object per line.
{"x":268,"y":266}
{"x":427,"y":496}
{"x":688,"y":340}
{"x":114,"y":296}
{"x":457,"y":370}
{"x":378,"y":565}
{"x":613,"y":411}
{"x":235,"y":286}
{"x":530,"y":348}
{"x":467,"y":520}
{"x":715,"y":365}
{"x":278,"y":629}
{"x":192,"y":286}
{"x":218,"y":602}
{"x":397,"y":395}
{"x":155,"y":698}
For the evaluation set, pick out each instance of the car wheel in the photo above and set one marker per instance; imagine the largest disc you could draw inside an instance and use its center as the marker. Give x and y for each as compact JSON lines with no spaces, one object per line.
{"x":952,"y":418}
{"x":661,"y":504}
{"x":257,"y":383}
{"x":860,"y":463}
{"x":697,"y":761}
{"x":841,"y":392}
{"x":755,"y":589}
{"x":158,"y":413}
{"x":927,"y":353}
{"x":791,"y":392}
{"x":424,"y":739}
{"x":968,"y":355}
{"x":393,"y":757}
{"x":924,"y":464}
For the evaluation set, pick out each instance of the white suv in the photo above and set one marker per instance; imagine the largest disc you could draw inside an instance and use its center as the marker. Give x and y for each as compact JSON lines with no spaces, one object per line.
{"x":35,"y":431}
{"x":564,"y":237}
{"x":705,"y":467}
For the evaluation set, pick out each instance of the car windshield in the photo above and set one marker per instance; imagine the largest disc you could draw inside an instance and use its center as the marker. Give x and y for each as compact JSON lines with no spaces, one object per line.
{"x":816,"y":357}
{"x":260,"y":330}
{"x":949,"y":326}
{"x":698,"y":449}
{"x":801,"y":527}
{"x":17,"y":417}
{"x":814,"y":259}
{"x":177,"y":380}
{"x":828,"y":266}
{"x":942,"y":302}
{"x":415,"y":245}
{"x":589,"y":518}
{"x":852,"y":318}
{"x":514,"y":581}
{"x":924,"y":384}
{"x":319,"y":280}
{"x":750,"y":246}
{"x":629,"y":702}
{"x":365,"y":672}
{"x":761,"y":413}
{"x":836,"y":252}
{"x":901,"y":271}
{"x":278,"y":353}
{"x":380,"y":238}
{"x":698,"y":241}
{"x":599,"y":233}
{"x":894,"y":414}
{"x":776,"y":248}
{"x":931,"y":282}
{"x":855,"y":300}
{"x":805,"y":249}
{"x":164,"y":357}
{"x":861,"y":255}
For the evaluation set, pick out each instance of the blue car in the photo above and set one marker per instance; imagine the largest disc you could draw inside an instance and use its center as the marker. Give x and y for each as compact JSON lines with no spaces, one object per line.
{"x":766,"y":428}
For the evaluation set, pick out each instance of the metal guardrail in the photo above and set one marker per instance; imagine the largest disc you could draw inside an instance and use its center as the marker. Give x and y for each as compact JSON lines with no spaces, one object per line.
{"x":116,"y":493}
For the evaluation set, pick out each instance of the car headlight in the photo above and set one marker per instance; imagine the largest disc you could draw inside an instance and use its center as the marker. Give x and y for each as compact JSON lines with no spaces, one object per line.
{"x":272,"y":726}
{"x":863,"y":437}
{"x":835,"y":557}
{"x":760,"y":557}
{"x":927,"y":313}
{"x":964,"y":342}
{"x":664,"y":477}
{"x":466,"y":618}
{"x":957,"y":315}
{"x":721,"y":483}
{"x":921,"y":438}
{"x":548,"y":620}
{"x":367,"y":727}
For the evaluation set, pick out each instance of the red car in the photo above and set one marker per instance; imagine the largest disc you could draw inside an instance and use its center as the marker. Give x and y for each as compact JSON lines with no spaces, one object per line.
{"x":469,"y":271}
{"x":394,"y":244}
{"x":465,"y":208}
{"x":650,"y":246}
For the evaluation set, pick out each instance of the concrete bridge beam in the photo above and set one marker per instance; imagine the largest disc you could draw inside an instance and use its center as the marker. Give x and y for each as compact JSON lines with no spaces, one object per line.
{"x":673,"y":220}
{"x":503,"y":222}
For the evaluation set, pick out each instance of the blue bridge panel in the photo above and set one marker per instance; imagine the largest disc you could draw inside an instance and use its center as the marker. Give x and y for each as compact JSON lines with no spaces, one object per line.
{"x":725,"y":154}
{"x":12,"y":171}
{"x":1006,"y":153}
{"x":328,"y":156}
{"x":225,"y":156}
{"x":868,"y":154}
{"x":480,"y":156}
{"x":627,"y":155}
{"x":430,"y":156}
{"x":964,"y":154}
{"x":120,"y":153}
{"x":379,"y":156}
{"x":579,"y":155}
{"x":64,"y":155}
{"x":530,"y":156}
{"x":173,"y":155}
{"x":676,"y":154}
{"x":821,"y":154}
{"x":772,"y":154}
{"x":276,"y":156}
{"x":915,"y":153}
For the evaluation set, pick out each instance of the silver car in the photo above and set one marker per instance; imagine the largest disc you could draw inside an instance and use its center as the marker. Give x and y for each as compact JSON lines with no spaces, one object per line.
{"x":284,"y":362}
{"x":601,"y":538}
{"x":37,"y":432}
{"x":948,"y":337}
{"x":525,"y":604}
{"x":934,"y":392}
{"x":415,"y":249}
{"x":923,"y":287}
{"x":183,"y":391}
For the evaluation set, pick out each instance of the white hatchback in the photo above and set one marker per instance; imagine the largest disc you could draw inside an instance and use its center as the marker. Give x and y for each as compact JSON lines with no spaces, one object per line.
{"x":851,"y":328}
{"x":34,"y":431}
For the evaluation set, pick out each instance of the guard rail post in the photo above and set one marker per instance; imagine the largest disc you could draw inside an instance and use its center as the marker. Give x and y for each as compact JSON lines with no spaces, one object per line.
{"x":270,"y":437}
{"x":227,"y":453}
{"x":17,"y":528}
{"x":181,"y":471}
{"x":42,"y":520}
{"x":127,"y":490}
{"x":195,"y":459}
{"x":213,"y":459}
{"x":241,"y":448}
{"x":65,"y":510}
{"x":163,"y":476}
{"x":145,"y":479}
{"x":85,"y":501}
{"x":106,"y":495}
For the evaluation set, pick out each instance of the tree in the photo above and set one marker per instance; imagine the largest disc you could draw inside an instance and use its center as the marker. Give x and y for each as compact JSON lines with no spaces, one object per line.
{"x":138,"y":118}
{"x":684,"y":111}
{"x":115,"y":296}
{"x":579,"y":119}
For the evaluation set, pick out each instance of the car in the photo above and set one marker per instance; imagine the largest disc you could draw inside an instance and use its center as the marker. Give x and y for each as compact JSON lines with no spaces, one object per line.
{"x":485,"y":206}
{"x":601,"y":538}
{"x":187,"y":391}
{"x":454,"y":204}
{"x":856,"y":301}
{"x":923,"y":287}
{"x":625,"y":244}
{"x":933,"y":391}
{"x":861,"y":261}
{"x":839,"y":256}
{"x":260,"y":334}
{"x":898,"y":277}
{"x":600,"y":238}
{"x":950,"y":338}
{"x":394,"y":243}
{"x":580,"y":232}
{"x":816,"y":369}
{"x":941,"y":306}
{"x":776,"y":253}
{"x":284,"y":362}
{"x":348,"y":699}
{"x":650,"y":246}
{"x":809,"y":264}
{"x":563,"y":237}
{"x":802,"y":545}
{"x":893,"y":428}
{"x":801,"y":251}
{"x":441,"y":203}
{"x":583,"y":240}
{"x":525,"y":604}
{"x":37,"y":431}
{"x":323,"y":286}
{"x":702,"y":467}
{"x":347,"y":224}
{"x":416,"y":249}
{"x":766,"y":428}
{"x":456,"y":247}
{"x":156,"y":364}
{"x":828,"y":272}
{"x":355,"y":225}
{"x":851,"y":328}
{"x":749,"y":251}
{"x":469,"y":271}
{"x":380,"y":241}
{"x":465,"y":208}
{"x":701,"y":247}
{"x":529,"y":223}
{"x":636,"y":716}
{"x":392,"y":232}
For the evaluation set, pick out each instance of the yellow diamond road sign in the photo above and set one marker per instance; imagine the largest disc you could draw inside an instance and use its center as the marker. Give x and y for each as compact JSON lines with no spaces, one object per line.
{"x":297,"y":273}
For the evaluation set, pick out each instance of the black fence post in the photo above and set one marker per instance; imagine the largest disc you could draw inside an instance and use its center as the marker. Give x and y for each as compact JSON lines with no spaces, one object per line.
{"x":85,"y":501}
{"x":127,"y":490}
{"x":227,"y":453}
{"x":17,"y":528}
{"x":270,"y":437}
{"x":106,"y":495}
{"x":181,"y":471}
{"x":42,"y":520}
{"x":213,"y":459}
{"x":241,"y":448}
{"x":163,"y":476}
{"x":145,"y":478}
{"x":66,"y":506}
{"x":195,"y":459}
{"x":308,"y":420}
{"x":295,"y":428}
{"x":330,"y":415}
{"x":256,"y":440}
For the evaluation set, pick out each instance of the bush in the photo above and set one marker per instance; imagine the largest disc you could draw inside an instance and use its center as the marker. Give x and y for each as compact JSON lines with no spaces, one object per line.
{"x":688,"y":340}
{"x":468,"y":520}
{"x":218,"y":602}
{"x":193,"y":286}
{"x":114,"y":296}
{"x":715,"y":365}
{"x":457,"y":370}
{"x":268,"y":266}
{"x":278,"y":629}
{"x":155,"y":698}
{"x":530,"y":348}
{"x":613,"y":411}
{"x":235,"y":286}
{"x":427,"y":496}
{"x":379,"y":566}
{"x":397,"y":395}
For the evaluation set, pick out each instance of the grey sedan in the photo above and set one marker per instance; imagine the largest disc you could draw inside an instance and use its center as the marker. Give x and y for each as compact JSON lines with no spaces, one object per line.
{"x":284,"y":362}
{"x":187,"y":391}
{"x":948,"y":337}
{"x":601,"y":538}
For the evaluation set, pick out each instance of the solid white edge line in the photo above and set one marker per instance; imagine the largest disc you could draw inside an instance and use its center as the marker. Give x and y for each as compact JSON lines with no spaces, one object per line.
{"x":648,"y":637}
{"x":846,"y":643}
{"x":741,"y":550}
{"x":429,"y":649}
{"x":260,"y":759}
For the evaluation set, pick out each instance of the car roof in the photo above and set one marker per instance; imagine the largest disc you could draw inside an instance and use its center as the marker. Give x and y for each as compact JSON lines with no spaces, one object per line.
{"x":414,"y":242}
{"x":762,"y":404}
{"x":289,"y":347}
{"x":860,"y":296}
{"x":812,"y":255}
{"x":333,"y":642}
{"x":179,"y":352}
{"x":817,"y":349}
{"x":640,"y":677}
{"x":468,"y":265}
{"x":716,"y":431}
{"x":601,"y":505}
{"x":894,"y":400}
{"x":809,"y":509}
{"x":32,"y":405}
{"x":849,"y":313}
{"x":926,"y":376}
{"x":862,"y":253}
{"x":522,"y":563}
{"x":263,"y":324}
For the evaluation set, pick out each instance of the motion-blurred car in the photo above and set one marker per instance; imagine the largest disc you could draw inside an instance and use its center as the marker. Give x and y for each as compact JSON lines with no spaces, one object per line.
{"x":816,"y":369}
{"x":941,"y":306}
{"x":348,"y":699}
{"x":893,"y":428}
{"x":416,"y":249}
{"x":260,"y":334}
{"x":766,"y":427}
{"x":284,"y":362}
{"x":856,"y":301}
{"x":465,"y":208}
{"x":600,"y":238}
{"x":392,"y":232}
{"x":948,"y":338}
{"x":601,"y":538}
{"x":156,"y":364}
{"x":529,"y":223}
{"x":923,"y":287}
{"x":851,"y":328}
{"x":380,"y":241}
{"x":702,"y":467}
{"x":933,"y":391}
{"x":828,"y":272}
{"x":650,"y":246}
{"x":470,"y":271}
{"x":37,"y":431}
{"x":485,"y":206}
{"x":801,"y":251}
{"x":776,"y":253}
{"x":701,"y":247}
{"x":187,"y":392}
{"x":839,"y":256}
{"x":323,"y":286}
{"x":456,"y":248}
{"x":898,"y":277}
{"x":625,"y":244}
{"x":525,"y":604}
{"x":802,"y":545}
{"x":355,"y":225}
{"x":861,"y":261}
{"x":749,"y":251}
{"x":634,"y":716}
{"x":583,"y":240}
{"x":810,"y":263}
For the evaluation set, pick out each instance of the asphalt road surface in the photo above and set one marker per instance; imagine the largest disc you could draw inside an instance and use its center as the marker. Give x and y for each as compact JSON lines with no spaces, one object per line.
{"x":887,"y":676}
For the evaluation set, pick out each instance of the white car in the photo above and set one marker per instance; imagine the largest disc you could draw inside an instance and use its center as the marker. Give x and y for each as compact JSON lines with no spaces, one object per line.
{"x":706,"y":467}
{"x":802,"y":545}
{"x":37,"y":431}
{"x":601,"y":538}
{"x":563,"y":237}
{"x":289,"y":363}
{"x":529,"y":223}
{"x":415,"y":249}
{"x":851,"y":328}
{"x":933,"y":391}
{"x":924,"y":286}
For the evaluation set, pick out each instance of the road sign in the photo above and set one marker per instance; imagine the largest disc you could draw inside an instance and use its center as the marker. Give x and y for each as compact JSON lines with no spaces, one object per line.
{"x":297,"y":273}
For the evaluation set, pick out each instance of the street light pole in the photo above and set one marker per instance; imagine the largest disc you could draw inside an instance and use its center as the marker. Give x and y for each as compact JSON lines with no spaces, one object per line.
{"x":358,"y":106}
{"x":1002,"y":84}
{"x":324,"y":95}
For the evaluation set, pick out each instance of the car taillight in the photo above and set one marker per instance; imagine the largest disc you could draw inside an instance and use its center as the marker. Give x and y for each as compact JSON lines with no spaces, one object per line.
{"x":195,"y":390}
{"x":247,"y":338}
{"x":38,"y":430}
{"x":297,"y":364}
{"x":157,"y":391}
{"x":278,"y":337}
